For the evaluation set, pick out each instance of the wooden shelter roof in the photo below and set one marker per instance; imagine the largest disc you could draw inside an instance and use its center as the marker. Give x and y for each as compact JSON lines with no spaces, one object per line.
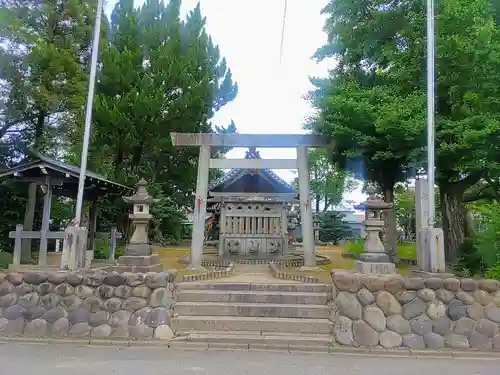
{"x":64,"y":177}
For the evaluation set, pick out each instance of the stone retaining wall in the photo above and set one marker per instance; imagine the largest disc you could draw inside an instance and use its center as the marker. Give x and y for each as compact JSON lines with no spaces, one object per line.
{"x":93,"y":304}
{"x":415,"y":313}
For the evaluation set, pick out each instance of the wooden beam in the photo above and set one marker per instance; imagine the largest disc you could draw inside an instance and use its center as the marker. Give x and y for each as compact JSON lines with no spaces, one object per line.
{"x":56,"y":235}
{"x":36,"y":235}
{"x":250,"y":140}
{"x":253,"y":163}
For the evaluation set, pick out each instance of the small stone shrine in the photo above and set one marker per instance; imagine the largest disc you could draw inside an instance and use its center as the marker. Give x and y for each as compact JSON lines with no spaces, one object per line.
{"x":374,"y":259}
{"x":138,"y":253}
{"x":251,"y":210}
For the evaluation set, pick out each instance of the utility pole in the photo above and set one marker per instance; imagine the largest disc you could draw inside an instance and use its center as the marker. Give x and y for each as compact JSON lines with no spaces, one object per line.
{"x":88,"y":112}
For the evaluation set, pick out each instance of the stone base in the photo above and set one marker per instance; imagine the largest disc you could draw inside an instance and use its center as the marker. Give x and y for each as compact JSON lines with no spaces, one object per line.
{"x":426,"y":274}
{"x":138,"y":249}
{"x":308,"y":268}
{"x":195,"y":269}
{"x":374,"y":258}
{"x":381,"y":268}
{"x":144,"y":263}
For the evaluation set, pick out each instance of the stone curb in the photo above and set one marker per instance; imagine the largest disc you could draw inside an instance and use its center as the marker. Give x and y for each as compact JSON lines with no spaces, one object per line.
{"x":279,"y":274}
{"x":211,"y":275}
{"x":332,"y":350}
{"x":294,"y":262}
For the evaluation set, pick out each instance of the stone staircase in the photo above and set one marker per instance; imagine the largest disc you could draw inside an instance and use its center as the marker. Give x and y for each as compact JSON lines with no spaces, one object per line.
{"x":253,"y":316}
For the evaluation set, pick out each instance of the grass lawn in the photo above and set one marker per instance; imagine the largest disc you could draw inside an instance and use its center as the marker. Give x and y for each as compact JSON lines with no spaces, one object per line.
{"x":407,"y":250}
{"x":334,"y":253}
{"x":170,"y":259}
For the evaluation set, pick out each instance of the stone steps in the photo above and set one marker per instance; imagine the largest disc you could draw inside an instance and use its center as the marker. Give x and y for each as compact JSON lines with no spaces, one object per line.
{"x":253,"y":316}
{"x":252,"y":296}
{"x":188,"y":324}
{"x":261,"y":287}
{"x":252,"y":309}
{"x":256,"y":340}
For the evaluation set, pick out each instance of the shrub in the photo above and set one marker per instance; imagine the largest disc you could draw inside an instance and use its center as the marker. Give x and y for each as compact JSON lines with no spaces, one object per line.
{"x":355,"y":246}
{"x":494,"y":272}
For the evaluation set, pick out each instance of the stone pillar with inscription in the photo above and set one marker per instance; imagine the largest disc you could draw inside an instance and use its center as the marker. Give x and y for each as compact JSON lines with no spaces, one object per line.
{"x":429,"y":240}
{"x":374,"y":259}
{"x":138,"y":254}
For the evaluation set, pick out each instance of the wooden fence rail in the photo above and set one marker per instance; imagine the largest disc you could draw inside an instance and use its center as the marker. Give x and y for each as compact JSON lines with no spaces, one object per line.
{"x":19,"y":234}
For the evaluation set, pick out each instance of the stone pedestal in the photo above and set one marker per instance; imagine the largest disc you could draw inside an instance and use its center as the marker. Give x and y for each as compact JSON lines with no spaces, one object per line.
{"x":144,"y":263}
{"x":373,"y":267}
{"x":374,"y":259}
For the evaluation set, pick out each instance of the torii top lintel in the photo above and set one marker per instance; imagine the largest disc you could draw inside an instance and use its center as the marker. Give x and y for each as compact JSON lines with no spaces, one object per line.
{"x":250,"y":140}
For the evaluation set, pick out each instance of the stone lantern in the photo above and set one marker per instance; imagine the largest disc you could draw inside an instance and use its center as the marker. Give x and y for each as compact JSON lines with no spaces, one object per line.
{"x":374,"y":259}
{"x":138,"y":254}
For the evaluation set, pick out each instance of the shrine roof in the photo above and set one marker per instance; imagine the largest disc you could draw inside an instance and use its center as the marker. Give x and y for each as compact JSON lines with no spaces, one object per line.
{"x":265,"y":178}
{"x":38,"y":166}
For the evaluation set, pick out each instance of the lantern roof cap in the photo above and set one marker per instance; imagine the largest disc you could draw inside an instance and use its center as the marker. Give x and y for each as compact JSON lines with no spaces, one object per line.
{"x":373,"y":202}
{"x":141,"y":195}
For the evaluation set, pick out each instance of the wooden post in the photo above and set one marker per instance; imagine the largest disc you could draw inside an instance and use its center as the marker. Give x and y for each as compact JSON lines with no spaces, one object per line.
{"x":29,"y":217}
{"x":16,"y":259}
{"x":47,"y":203}
{"x":92,"y":224}
{"x":222,"y":229}
{"x":112,"y":244}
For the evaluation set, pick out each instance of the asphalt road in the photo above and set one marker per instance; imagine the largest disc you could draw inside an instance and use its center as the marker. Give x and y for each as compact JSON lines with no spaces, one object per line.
{"x":70,"y":359}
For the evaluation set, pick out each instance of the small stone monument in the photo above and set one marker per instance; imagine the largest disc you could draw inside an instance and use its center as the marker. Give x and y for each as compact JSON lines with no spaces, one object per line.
{"x":138,"y":254}
{"x":374,"y":259}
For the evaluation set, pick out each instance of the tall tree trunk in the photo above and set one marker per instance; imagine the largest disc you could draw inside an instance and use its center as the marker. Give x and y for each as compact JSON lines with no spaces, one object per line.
{"x":453,"y":220}
{"x":391,"y":236}
{"x":317,"y":199}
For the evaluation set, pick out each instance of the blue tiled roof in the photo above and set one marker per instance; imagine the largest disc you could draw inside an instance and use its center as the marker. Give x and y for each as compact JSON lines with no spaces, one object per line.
{"x":234,"y":173}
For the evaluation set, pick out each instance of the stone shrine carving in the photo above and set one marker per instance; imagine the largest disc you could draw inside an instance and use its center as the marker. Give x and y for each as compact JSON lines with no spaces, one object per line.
{"x":233,"y":246}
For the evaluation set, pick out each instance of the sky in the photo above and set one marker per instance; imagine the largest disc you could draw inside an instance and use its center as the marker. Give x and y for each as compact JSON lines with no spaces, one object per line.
{"x":270,"y":98}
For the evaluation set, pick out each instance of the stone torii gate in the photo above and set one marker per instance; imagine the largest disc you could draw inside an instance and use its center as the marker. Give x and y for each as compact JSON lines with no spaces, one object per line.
{"x":207,"y":140}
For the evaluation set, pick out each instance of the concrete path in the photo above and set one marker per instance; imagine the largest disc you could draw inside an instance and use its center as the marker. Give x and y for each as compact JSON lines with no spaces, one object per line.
{"x":27,"y":359}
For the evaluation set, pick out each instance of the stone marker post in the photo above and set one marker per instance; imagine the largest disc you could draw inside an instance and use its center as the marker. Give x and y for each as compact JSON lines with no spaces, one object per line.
{"x":138,"y":254}
{"x":421,"y":222}
{"x":374,"y":259}
{"x":74,"y":247}
{"x":429,"y":240}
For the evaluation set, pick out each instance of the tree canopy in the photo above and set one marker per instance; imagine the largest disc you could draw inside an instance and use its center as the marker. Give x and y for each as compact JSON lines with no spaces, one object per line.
{"x":158,"y":72}
{"x":373,"y":104}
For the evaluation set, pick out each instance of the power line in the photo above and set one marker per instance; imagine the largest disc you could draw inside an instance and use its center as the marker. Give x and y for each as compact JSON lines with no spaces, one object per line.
{"x":283,"y":31}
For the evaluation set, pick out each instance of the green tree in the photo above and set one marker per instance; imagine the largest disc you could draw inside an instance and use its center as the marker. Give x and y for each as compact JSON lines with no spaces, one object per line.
{"x":328,"y":182}
{"x":378,"y":132}
{"x":466,"y":99}
{"x":404,"y":205}
{"x":374,"y":106}
{"x":159,"y":75}
{"x":332,"y":227}
{"x":44,"y":48}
